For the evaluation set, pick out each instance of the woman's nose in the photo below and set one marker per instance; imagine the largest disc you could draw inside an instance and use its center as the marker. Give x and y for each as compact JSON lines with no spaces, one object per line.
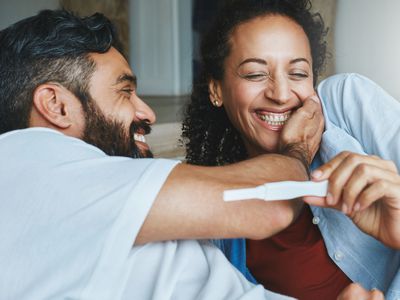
{"x":278,"y":90}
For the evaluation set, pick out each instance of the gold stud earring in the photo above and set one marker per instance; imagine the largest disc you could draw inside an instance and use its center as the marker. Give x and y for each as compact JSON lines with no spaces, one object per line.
{"x":216,"y":103}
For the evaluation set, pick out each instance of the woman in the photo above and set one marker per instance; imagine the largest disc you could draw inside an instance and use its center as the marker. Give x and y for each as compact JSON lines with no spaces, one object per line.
{"x":261,"y":60}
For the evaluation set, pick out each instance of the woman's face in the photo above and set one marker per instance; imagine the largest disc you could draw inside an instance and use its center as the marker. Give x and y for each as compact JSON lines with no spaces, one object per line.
{"x":268,"y":74}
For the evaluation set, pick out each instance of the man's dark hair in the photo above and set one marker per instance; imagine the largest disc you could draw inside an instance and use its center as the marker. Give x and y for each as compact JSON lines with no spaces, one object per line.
{"x":208,"y":133}
{"x":52,"y":46}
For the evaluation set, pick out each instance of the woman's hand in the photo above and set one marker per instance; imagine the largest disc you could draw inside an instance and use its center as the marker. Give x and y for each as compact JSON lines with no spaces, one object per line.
{"x":367,"y":189}
{"x":356,"y":292}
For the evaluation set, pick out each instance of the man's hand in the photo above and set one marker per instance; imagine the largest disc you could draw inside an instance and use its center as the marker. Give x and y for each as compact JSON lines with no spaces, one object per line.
{"x":367,"y":189}
{"x":356,"y":292}
{"x":301,"y":135}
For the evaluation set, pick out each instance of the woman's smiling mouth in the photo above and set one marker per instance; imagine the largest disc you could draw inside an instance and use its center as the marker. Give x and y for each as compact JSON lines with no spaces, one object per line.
{"x":273,"y":121}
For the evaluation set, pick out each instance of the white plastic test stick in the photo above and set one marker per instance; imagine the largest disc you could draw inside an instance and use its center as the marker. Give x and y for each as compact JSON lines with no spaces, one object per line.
{"x":282,"y":190}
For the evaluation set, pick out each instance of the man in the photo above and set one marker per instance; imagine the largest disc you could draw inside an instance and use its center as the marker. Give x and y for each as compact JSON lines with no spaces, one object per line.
{"x":71,"y":212}
{"x":80,"y":217}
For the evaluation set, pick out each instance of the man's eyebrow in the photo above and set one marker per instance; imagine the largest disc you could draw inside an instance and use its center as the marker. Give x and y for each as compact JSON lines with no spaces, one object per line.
{"x":300,"y":59}
{"x":253,"y":59}
{"x":126,"y":77}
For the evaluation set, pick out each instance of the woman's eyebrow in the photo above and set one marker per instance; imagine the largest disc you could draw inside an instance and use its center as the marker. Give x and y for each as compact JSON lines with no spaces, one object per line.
{"x":300,"y":59}
{"x":264,"y":62}
{"x":254,"y":60}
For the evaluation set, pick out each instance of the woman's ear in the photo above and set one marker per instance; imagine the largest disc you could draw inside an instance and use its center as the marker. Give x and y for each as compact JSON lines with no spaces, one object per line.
{"x":53,"y":103}
{"x":214,"y":89}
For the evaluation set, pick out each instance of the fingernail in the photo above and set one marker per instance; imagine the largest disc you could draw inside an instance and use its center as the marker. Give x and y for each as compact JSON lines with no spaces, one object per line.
{"x":316,"y":174}
{"x":329,"y":199}
{"x":344,"y":208}
{"x":357,"y":207}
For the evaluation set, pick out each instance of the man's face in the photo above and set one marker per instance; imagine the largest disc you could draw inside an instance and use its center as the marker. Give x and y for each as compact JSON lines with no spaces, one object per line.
{"x":116,"y":119}
{"x":111,"y":136}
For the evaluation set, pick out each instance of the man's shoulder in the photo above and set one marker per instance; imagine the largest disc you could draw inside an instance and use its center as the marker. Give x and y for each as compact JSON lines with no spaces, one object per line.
{"x":42,"y":139}
{"x":26,"y":132}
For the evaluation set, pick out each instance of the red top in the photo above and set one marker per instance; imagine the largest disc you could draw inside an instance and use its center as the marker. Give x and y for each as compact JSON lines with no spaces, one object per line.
{"x":295,"y":262}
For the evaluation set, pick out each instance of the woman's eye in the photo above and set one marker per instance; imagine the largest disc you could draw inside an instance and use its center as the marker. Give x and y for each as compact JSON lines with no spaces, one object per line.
{"x":255,"y":76}
{"x":298,"y":75}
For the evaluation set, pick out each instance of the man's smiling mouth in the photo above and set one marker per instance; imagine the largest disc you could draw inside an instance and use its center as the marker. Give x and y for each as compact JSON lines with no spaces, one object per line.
{"x":139,"y":137}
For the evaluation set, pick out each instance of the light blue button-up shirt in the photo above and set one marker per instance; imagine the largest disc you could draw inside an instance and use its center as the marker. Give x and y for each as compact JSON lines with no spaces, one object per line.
{"x":359,"y":117}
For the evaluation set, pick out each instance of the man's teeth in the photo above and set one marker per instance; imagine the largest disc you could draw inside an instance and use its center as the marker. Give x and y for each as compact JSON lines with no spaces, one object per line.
{"x":274,"y":119}
{"x":139,"y":137}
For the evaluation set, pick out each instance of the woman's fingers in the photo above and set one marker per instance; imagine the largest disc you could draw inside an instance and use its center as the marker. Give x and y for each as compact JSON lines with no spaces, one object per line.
{"x":325,"y":171}
{"x":349,"y":174}
{"x":378,"y":190}
{"x":350,"y":159}
{"x":339,"y":170}
{"x":366,"y":184}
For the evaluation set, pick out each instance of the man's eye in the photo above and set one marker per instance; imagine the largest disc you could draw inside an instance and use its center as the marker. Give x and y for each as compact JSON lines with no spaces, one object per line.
{"x":128,"y":91}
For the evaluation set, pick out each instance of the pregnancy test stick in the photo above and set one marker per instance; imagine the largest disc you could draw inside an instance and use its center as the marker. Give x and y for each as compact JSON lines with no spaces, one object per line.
{"x":282,"y":190}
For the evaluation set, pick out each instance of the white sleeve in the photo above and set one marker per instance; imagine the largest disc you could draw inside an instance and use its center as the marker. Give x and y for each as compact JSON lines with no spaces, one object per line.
{"x":69,"y":214}
{"x":112,"y":266}
{"x":365,"y":111}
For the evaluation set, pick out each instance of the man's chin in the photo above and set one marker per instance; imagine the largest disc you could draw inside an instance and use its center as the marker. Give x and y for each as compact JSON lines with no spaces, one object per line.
{"x":146,"y":154}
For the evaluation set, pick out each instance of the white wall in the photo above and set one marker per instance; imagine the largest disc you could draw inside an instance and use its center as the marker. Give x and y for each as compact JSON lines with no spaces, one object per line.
{"x":161,"y":46}
{"x":12,"y":11}
{"x":367,"y":41}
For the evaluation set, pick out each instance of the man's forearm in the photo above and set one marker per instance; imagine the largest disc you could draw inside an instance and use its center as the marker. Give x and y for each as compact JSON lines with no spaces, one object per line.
{"x":190,"y":204}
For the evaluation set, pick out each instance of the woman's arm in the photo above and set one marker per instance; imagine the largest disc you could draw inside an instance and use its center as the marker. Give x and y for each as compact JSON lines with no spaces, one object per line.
{"x":365,"y":111}
{"x":367,"y":188}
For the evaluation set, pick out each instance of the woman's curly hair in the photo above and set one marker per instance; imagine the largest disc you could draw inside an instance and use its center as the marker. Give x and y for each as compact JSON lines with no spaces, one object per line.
{"x":208,"y":134}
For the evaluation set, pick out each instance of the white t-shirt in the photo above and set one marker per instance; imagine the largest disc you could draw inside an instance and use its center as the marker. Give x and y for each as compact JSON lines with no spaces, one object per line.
{"x":69,"y":215}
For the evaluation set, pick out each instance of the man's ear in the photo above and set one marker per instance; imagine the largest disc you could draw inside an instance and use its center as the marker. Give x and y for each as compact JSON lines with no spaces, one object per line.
{"x":52,"y":103}
{"x":215,"y":92}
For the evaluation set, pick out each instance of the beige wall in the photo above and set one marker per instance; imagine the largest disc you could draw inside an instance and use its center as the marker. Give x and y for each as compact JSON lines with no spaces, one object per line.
{"x":327,"y":9}
{"x":368,"y":41}
{"x":15,"y":10}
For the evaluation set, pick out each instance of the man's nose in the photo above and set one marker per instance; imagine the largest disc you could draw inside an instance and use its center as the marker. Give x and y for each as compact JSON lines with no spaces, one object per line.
{"x":144,"y":112}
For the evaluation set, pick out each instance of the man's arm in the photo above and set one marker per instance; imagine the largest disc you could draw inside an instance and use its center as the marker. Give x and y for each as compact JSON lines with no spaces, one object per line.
{"x":190,"y":204}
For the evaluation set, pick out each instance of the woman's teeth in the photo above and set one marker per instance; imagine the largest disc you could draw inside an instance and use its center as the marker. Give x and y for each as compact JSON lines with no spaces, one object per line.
{"x":274,"y":118}
{"x":139,"y":137}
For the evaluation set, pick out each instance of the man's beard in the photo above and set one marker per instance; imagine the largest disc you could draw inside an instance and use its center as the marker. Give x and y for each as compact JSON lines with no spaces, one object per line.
{"x":111,"y":136}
